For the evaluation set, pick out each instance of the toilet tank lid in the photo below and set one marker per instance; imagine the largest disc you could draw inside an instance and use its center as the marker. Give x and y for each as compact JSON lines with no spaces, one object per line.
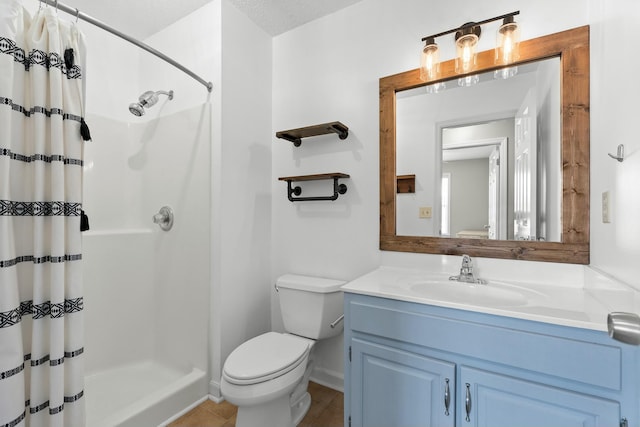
{"x":309,"y":283}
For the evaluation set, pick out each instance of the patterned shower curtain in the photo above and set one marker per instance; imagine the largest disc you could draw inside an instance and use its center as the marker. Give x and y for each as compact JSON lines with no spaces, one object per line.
{"x":41,"y":325}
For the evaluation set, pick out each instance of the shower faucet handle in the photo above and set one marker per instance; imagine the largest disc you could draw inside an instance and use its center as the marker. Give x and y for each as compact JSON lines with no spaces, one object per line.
{"x":164,"y":218}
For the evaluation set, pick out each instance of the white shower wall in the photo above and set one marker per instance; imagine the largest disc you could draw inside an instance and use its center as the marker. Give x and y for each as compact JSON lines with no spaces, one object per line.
{"x":224,"y":46}
{"x":147,"y":289}
{"x":159,"y":281}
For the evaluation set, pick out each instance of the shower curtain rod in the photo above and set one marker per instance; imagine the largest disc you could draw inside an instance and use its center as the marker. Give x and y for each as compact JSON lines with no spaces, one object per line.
{"x":91,"y":20}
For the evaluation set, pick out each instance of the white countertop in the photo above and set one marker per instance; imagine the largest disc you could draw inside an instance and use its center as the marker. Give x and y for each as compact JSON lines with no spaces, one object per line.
{"x":584,"y":306}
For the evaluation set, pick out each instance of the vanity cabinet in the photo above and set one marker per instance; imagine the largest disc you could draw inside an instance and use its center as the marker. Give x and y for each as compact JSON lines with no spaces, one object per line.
{"x":501,"y":400}
{"x":398,"y":388}
{"x":411,"y":364}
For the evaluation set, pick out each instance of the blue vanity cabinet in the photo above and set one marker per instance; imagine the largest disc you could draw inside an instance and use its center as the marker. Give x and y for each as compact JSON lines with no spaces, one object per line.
{"x":403,"y":358}
{"x":397,"y":388}
{"x":498,"y":400}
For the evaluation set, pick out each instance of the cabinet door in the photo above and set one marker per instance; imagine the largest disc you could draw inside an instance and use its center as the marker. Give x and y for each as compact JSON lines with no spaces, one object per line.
{"x":495,"y":400}
{"x":392,"y":387}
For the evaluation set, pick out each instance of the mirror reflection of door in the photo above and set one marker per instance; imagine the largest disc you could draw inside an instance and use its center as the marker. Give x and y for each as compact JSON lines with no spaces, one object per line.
{"x":478,"y":172}
{"x":525,"y":179}
{"x":494,"y":193}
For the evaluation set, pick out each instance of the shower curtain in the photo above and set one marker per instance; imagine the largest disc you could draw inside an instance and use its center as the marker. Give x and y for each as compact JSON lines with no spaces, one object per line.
{"x":41,"y":327}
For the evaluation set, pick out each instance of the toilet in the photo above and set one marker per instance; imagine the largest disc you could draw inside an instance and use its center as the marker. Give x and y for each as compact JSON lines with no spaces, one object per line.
{"x":267,"y":376}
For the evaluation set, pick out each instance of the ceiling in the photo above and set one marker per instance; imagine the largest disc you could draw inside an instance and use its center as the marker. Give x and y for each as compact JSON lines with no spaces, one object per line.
{"x":142,"y":18}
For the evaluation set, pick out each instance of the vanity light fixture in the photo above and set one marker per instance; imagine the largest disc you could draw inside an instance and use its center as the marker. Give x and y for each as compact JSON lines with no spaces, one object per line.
{"x":466,"y":39}
{"x":508,"y":42}
{"x":430,"y":60}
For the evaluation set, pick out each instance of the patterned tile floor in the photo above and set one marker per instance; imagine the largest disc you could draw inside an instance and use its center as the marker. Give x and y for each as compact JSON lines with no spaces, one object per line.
{"x":326,"y":411}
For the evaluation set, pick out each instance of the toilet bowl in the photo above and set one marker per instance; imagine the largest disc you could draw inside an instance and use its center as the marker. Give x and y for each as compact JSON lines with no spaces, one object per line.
{"x":267,"y":376}
{"x":261,"y":375}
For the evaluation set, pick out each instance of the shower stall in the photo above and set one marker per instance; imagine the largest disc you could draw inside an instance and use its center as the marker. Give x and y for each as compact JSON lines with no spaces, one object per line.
{"x":146,"y":286}
{"x":160,"y":311}
{"x":146,"y":289}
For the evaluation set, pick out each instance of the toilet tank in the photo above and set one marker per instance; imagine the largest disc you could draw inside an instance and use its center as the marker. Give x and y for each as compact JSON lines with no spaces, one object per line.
{"x":310,"y":304}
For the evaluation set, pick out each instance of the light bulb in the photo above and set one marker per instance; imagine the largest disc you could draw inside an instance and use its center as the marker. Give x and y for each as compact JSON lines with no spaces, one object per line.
{"x":466,"y":53}
{"x":508,"y":42}
{"x":430,"y":61}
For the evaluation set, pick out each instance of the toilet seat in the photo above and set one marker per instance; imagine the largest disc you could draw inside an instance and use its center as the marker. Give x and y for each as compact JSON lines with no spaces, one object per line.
{"x":265,"y":357}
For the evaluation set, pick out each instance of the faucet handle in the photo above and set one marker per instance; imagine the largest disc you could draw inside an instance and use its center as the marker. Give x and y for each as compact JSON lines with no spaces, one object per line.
{"x":466,"y":260}
{"x":164,"y":218}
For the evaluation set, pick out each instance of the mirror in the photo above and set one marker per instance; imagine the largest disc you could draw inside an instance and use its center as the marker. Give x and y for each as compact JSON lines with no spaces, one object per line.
{"x":509,"y":133}
{"x":421,"y":139}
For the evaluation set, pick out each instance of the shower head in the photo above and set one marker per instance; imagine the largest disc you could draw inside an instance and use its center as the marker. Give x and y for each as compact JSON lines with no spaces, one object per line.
{"x":147,"y":99}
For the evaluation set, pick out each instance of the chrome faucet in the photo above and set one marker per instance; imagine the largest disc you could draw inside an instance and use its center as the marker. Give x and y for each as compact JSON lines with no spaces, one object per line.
{"x":466,"y":272}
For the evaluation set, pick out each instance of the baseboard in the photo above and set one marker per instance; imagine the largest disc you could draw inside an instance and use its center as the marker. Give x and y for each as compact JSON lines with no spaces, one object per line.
{"x":214,"y":392}
{"x":328,"y":378}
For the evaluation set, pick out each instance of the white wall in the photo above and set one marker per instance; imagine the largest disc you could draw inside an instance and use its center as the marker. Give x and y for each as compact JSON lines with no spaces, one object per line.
{"x":615,"y":247}
{"x":220,"y":43}
{"x":243,"y":212}
{"x":195,"y":42}
{"x":329,"y":70}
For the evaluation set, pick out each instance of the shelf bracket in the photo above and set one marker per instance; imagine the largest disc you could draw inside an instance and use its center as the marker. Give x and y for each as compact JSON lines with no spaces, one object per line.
{"x":293,"y":193}
{"x":297,"y":141}
{"x":337,"y":190}
{"x":340,"y":129}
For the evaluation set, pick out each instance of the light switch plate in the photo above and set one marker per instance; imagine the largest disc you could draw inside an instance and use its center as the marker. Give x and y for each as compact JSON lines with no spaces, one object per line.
{"x":425,"y":212}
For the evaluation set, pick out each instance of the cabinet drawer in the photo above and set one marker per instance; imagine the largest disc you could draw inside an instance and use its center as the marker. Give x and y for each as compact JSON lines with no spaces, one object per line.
{"x":502,"y":340}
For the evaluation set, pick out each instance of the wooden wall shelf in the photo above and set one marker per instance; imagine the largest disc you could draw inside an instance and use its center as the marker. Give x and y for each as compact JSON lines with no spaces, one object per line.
{"x":406,"y":184}
{"x":295,"y":135}
{"x":296,"y":191}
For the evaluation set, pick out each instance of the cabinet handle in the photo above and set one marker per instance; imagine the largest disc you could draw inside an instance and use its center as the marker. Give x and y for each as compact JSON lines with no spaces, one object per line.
{"x":467,"y":402}
{"x":447,"y":397}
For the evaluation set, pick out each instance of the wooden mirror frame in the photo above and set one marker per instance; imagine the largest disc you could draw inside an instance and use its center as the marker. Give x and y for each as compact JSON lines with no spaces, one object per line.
{"x":572,"y":47}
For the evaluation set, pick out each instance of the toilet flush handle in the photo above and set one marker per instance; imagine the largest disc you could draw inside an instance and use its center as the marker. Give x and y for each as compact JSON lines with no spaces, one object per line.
{"x":338,"y":320}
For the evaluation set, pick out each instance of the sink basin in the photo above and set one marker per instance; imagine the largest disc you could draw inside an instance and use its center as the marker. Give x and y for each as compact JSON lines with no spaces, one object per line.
{"x":494,"y":294}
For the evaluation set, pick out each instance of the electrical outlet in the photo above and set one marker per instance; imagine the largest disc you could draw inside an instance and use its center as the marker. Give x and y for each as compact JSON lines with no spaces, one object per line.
{"x":425,"y":212}
{"x":606,"y":208}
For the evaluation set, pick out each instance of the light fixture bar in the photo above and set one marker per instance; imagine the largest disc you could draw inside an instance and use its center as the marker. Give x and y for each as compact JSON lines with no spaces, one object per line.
{"x":472,"y":24}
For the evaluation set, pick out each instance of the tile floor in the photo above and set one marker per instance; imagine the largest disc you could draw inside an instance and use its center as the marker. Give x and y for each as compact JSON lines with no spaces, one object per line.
{"x":326,"y":411}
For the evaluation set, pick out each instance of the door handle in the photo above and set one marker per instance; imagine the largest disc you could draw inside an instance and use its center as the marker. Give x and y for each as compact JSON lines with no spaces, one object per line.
{"x":467,"y":402}
{"x":447,"y":397}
